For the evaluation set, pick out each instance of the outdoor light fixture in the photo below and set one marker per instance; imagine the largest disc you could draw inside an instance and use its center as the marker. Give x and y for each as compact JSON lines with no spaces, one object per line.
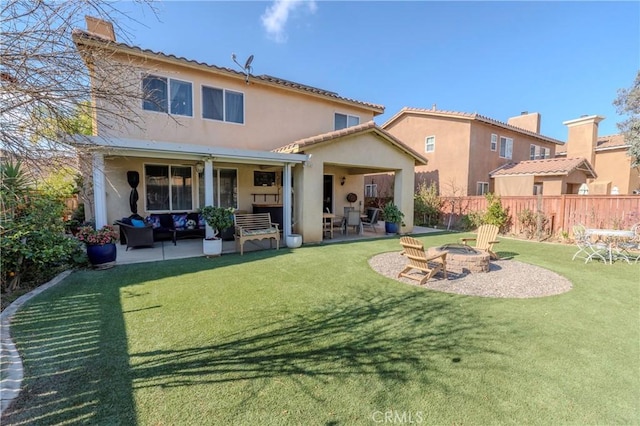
{"x":199,"y":168}
{"x":342,"y":180}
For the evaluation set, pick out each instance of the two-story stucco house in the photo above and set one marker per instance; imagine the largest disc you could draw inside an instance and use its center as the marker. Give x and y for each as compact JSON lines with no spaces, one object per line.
{"x":462,"y":149}
{"x":607,"y":155}
{"x":209,"y":135}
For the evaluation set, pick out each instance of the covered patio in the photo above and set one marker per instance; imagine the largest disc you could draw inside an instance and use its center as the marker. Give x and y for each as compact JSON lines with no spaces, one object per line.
{"x":165,"y":250}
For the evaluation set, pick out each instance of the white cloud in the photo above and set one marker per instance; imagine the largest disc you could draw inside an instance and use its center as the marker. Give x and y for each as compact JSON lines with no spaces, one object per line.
{"x":275,"y":18}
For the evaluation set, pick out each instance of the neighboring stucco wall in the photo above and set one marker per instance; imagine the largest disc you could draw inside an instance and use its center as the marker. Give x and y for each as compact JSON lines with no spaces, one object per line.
{"x":273,"y":117}
{"x":366,"y":151}
{"x":449,"y":162}
{"x":615,"y":166}
{"x":462,"y":155}
{"x":514,"y":185}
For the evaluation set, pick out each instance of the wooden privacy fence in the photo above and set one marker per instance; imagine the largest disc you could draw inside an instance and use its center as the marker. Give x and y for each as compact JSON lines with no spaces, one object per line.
{"x":560,"y":211}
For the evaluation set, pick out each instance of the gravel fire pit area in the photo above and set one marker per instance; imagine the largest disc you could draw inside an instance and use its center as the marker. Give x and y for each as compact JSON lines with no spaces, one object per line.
{"x":505,"y":279}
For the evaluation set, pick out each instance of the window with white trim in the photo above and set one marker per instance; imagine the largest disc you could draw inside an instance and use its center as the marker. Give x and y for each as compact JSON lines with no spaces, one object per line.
{"x":222,"y":105}
{"x":371,"y":190}
{"x":482,"y":188}
{"x":506,"y":147}
{"x":534,"y":152}
{"x":494,"y":142}
{"x":163,"y":94}
{"x":546,"y":153}
{"x":168,"y":187}
{"x":429,"y":144}
{"x":342,"y":121}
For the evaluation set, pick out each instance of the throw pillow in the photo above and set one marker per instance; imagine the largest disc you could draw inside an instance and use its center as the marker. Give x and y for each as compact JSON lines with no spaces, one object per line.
{"x":126,"y":221}
{"x":154,"y":221}
{"x":179,"y":221}
{"x":137,"y":223}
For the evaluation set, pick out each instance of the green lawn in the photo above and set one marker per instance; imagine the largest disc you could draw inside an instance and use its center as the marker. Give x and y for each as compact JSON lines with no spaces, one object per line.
{"x":313,"y":336}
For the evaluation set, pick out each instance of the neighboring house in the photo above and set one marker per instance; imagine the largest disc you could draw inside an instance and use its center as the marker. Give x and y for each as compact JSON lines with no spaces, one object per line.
{"x":463,"y":148}
{"x":552,"y":176}
{"x":607,"y":155}
{"x":209,"y":135}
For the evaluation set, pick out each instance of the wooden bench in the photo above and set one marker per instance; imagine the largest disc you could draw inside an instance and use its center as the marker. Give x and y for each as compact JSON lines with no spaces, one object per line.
{"x":255,"y":226}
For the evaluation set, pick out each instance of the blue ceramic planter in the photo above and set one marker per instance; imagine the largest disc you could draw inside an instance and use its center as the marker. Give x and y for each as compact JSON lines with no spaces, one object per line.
{"x":102,"y":257}
{"x":391,"y":228}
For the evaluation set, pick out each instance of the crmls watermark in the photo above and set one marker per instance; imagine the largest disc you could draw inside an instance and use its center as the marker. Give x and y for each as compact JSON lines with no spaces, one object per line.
{"x":397,"y":417}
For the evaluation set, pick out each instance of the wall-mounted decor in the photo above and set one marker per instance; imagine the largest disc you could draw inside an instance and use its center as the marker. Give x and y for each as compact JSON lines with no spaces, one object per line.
{"x":264,"y":178}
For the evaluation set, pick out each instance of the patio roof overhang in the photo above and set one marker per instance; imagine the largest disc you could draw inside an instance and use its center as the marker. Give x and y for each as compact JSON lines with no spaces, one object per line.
{"x":182,"y":151}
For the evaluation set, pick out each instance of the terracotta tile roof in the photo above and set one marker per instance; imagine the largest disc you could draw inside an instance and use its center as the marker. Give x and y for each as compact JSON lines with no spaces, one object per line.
{"x":80,"y":36}
{"x":369,"y":127}
{"x":468,"y":116}
{"x":546,"y":167}
{"x":603,"y":143}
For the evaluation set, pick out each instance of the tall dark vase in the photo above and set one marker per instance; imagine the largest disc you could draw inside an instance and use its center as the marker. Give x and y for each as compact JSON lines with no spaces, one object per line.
{"x":102,"y":257}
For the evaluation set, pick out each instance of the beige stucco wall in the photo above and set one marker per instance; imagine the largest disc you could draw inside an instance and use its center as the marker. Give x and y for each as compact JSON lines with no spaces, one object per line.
{"x":615,"y":166}
{"x":449,"y":162}
{"x":514,"y":185}
{"x":366,"y":151}
{"x":273,"y":117}
{"x":462,"y":155}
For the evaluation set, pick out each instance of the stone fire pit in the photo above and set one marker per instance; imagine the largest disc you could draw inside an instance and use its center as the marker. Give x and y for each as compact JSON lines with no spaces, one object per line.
{"x":462,"y":258}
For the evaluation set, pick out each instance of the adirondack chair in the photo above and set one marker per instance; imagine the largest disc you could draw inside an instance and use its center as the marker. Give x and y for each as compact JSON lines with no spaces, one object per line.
{"x":485,"y":240}
{"x":418,"y":259}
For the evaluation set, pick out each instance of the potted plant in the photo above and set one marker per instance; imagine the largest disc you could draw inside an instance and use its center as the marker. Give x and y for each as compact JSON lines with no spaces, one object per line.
{"x":392,"y":218}
{"x":219,"y":219}
{"x":101,"y":245}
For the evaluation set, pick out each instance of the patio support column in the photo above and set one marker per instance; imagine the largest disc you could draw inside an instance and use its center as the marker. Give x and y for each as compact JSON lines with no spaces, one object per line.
{"x":99,"y":194}
{"x":286,"y":200}
{"x":403,"y":196}
{"x":208,"y":192}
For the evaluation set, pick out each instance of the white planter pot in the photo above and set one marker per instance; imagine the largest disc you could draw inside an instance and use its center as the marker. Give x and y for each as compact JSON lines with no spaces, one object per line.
{"x":212,"y":247}
{"x":294,"y":240}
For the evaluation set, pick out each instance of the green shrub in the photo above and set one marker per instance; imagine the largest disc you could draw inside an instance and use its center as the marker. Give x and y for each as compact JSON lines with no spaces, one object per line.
{"x":427,"y":204}
{"x":495,"y":214}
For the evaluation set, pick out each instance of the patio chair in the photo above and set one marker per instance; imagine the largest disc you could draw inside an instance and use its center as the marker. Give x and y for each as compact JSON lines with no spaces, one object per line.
{"x":417,"y":259}
{"x":631,"y":248}
{"x":587,"y":249}
{"x":353,"y":219}
{"x":137,"y":236}
{"x":372,"y":218}
{"x":485,"y":240}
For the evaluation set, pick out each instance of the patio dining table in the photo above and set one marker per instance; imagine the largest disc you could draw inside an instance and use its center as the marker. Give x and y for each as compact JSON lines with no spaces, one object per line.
{"x":611,"y":237}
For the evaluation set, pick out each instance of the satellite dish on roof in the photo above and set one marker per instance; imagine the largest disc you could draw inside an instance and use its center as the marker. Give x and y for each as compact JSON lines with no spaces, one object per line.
{"x":247,"y":65}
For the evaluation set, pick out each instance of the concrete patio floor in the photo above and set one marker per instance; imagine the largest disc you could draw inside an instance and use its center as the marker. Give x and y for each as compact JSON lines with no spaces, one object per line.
{"x":165,"y":250}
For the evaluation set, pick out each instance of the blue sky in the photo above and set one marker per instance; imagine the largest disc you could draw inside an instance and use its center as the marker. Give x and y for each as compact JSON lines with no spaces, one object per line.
{"x":561,"y":59}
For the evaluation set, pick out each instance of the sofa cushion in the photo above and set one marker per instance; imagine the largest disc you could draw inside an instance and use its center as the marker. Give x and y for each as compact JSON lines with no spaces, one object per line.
{"x":138,"y":223}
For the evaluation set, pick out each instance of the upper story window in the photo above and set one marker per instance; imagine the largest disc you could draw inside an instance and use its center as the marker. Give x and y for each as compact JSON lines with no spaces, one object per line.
{"x":429,"y":144}
{"x":222,"y":105}
{"x":342,"y":121}
{"x":163,"y":94}
{"x":539,"y":152}
{"x":506,"y":147}
{"x":494,"y":142}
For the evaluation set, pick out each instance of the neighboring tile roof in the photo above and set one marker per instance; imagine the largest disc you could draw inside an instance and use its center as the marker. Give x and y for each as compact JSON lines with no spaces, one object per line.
{"x":603,"y":143}
{"x":546,"y":167}
{"x":468,"y":116}
{"x":300,"y":145}
{"x":82,"y":35}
